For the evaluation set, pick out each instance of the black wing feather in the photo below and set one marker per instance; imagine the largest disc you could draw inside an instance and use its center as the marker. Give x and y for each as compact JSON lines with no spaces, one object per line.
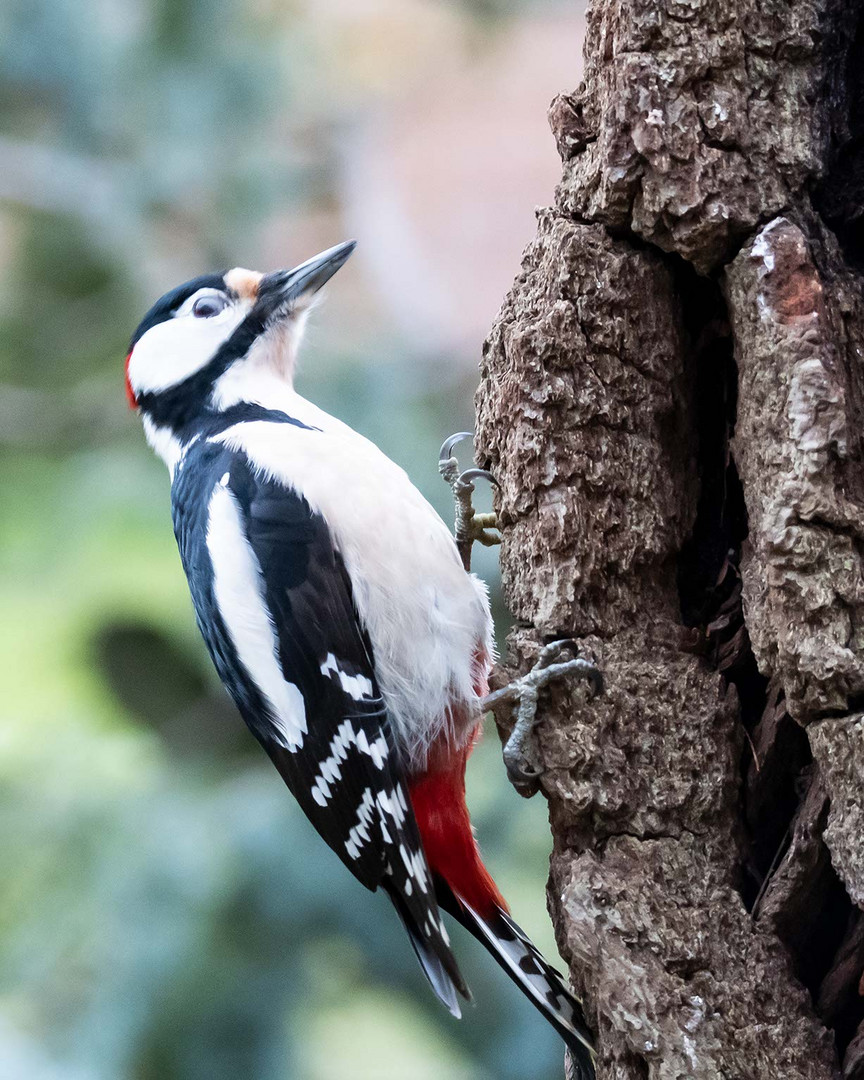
{"x":307,"y":591}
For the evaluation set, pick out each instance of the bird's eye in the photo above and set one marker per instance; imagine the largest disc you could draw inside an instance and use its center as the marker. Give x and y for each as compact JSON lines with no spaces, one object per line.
{"x":205,"y":307}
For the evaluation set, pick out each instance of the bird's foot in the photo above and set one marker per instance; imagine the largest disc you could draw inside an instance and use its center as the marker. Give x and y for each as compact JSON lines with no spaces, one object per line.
{"x":520,"y":753}
{"x":470,"y":526}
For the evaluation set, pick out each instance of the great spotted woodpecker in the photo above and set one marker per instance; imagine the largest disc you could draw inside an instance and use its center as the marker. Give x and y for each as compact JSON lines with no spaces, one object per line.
{"x":336,"y":610}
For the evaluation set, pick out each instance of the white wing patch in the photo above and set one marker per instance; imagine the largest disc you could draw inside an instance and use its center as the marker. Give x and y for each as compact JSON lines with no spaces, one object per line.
{"x":241,"y":603}
{"x":359,"y":834}
{"x":393,"y":804}
{"x":415,"y":866}
{"x":329,"y":771}
{"x":355,"y":686}
{"x":373,"y":810}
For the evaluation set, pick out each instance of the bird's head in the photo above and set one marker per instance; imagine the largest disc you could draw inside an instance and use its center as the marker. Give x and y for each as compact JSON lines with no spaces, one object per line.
{"x":216,"y":326}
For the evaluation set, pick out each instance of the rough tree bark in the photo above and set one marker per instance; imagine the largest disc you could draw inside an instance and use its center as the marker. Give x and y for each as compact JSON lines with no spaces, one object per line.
{"x":672,"y":399}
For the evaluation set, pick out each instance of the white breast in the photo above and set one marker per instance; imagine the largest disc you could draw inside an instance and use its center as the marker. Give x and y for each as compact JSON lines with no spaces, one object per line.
{"x":424,"y":615}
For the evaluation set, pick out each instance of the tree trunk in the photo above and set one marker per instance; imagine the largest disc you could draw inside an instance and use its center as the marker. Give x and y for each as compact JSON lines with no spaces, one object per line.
{"x":672,"y":400}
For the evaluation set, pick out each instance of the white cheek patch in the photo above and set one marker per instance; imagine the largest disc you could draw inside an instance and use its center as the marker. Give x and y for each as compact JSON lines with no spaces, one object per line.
{"x":241,"y":603}
{"x":171,"y":351}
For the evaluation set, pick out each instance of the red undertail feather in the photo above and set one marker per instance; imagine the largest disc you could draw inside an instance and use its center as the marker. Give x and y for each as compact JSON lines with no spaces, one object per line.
{"x":438,"y":798}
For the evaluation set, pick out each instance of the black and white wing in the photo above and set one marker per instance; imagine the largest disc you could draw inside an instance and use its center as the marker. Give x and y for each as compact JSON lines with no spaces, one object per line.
{"x":274,"y":604}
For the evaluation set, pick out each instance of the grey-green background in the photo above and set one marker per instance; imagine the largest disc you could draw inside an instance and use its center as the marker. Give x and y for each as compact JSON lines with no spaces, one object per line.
{"x":165,"y":910}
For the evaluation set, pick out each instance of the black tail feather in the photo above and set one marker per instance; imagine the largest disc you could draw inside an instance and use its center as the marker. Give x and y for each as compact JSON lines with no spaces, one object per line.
{"x":441,"y":970}
{"x":539,"y":981}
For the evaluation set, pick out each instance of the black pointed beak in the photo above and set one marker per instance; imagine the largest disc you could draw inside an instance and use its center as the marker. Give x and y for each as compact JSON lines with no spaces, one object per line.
{"x":291,"y":288}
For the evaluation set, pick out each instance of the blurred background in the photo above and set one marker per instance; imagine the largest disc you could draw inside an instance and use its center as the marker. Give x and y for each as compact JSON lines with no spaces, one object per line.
{"x":165,"y":910}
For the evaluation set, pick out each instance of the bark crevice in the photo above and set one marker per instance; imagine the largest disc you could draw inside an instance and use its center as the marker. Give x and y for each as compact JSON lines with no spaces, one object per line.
{"x":837,"y":196}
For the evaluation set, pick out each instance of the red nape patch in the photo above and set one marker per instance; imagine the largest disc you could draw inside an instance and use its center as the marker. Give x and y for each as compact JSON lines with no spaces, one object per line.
{"x":438,"y":798}
{"x":130,"y":393}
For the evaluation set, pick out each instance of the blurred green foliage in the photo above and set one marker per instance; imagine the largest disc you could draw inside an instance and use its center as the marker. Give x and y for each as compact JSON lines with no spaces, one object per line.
{"x":165,"y":910}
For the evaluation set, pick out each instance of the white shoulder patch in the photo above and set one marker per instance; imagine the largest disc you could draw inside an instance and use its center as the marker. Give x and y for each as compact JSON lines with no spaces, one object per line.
{"x":241,"y":603}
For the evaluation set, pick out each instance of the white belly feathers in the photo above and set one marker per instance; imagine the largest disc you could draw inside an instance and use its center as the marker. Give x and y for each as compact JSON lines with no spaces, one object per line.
{"x":424,"y":615}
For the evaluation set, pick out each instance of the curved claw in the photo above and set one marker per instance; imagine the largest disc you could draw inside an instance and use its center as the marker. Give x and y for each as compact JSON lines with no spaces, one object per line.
{"x":522,"y":772}
{"x":553,"y":649}
{"x":578,"y":665}
{"x":476,"y":474}
{"x":446,"y":451}
{"x":470,"y":526}
{"x":595,"y":676}
{"x":521,"y":756}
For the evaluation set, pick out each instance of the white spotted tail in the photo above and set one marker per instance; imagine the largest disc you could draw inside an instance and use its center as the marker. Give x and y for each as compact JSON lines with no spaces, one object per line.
{"x":538,"y":980}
